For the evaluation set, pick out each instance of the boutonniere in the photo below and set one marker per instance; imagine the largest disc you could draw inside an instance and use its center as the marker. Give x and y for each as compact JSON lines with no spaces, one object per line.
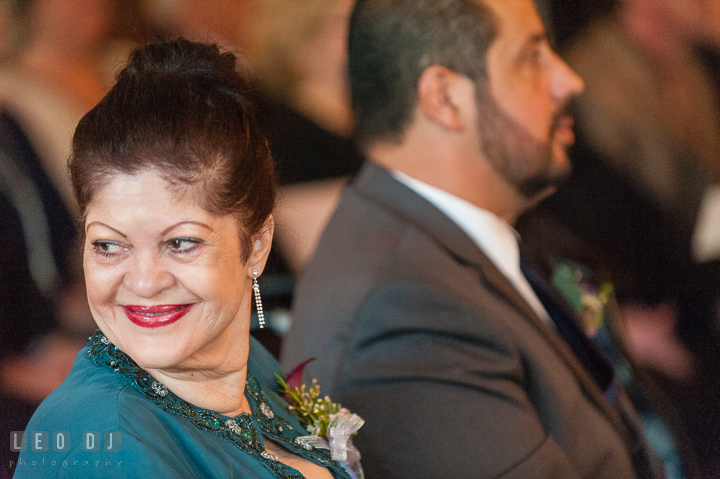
{"x":330,"y":426}
{"x":588,"y":300}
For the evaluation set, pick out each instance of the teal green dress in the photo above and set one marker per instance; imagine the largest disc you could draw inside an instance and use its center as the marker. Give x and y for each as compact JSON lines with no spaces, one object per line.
{"x":109,"y":419}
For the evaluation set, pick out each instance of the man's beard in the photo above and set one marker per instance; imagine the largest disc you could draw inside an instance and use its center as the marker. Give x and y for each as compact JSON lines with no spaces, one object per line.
{"x":522,"y":160}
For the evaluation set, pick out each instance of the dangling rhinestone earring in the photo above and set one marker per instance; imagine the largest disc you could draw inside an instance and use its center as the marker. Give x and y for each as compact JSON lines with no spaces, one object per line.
{"x":258,"y":302}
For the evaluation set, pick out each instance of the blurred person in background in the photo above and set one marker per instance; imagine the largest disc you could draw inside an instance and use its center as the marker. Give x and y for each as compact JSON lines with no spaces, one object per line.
{"x":647,"y":151}
{"x":649,"y":131}
{"x":51,"y":75}
{"x":299,"y":52}
{"x":216,"y":21}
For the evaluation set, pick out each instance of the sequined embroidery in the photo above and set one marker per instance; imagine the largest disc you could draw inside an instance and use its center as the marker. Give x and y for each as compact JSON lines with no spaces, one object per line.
{"x":244,"y":430}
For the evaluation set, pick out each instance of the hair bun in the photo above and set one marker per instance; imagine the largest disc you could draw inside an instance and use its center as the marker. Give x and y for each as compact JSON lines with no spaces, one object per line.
{"x":182,"y":57}
{"x":183,"y":109}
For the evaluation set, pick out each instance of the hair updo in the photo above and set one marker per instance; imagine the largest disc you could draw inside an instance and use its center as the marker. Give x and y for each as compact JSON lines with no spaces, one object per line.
{"x":182,"y":109}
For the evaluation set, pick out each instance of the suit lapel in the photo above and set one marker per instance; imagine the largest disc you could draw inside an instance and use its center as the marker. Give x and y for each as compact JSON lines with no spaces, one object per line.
{"x":377,"y":184}
{"x":495,"y":279}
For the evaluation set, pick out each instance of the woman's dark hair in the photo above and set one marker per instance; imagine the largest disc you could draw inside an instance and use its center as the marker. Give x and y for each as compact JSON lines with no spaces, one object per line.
{"x":182,"y":109}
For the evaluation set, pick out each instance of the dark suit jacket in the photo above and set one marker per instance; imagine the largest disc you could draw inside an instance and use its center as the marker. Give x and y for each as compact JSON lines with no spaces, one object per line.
{"x":420,"y":334}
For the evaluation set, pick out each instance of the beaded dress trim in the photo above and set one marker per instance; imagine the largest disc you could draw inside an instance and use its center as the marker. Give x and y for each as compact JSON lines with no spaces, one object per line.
{"x":245,"y":430}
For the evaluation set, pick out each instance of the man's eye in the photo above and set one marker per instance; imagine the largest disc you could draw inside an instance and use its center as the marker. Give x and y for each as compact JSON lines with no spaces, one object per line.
{"x":107,"y":248}
{"x":183,"y":245}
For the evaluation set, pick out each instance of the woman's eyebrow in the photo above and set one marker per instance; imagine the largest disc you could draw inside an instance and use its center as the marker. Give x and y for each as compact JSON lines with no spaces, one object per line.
{"x":198,"y":223}
{"x":100,"y":223}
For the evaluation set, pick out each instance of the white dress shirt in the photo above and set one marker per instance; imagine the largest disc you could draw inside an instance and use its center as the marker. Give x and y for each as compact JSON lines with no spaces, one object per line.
{"x":496,"y":238}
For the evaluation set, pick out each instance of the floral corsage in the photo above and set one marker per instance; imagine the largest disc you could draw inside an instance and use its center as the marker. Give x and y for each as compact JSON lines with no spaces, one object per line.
{"x":330,"y":425}
{"x":588,"y":300}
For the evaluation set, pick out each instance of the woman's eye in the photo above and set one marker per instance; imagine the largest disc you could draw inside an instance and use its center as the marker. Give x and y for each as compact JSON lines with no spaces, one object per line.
{"x":183,"y":245}
{"x":107,"y":248}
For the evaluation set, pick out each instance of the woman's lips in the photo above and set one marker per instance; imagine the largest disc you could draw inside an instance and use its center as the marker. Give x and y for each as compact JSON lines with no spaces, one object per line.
{"x":156,"y":316}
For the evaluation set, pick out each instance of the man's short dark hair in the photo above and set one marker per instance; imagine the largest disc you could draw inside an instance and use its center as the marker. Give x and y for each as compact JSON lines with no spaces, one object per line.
{"x":391,"y":42}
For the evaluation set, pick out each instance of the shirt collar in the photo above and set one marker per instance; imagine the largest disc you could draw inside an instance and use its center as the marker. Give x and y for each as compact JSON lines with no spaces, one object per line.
{"x":497,"y":239}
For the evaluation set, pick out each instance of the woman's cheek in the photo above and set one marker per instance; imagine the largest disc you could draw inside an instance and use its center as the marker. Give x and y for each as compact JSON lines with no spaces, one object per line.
{"x":102,"y":282}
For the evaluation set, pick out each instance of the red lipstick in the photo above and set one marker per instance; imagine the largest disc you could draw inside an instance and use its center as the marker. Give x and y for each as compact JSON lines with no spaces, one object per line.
{"x":156,"y":316}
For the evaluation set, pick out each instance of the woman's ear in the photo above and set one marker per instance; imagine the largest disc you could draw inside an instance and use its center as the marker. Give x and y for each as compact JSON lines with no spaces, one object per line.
{"x":442,"y":97}
{"x":262,"y":242}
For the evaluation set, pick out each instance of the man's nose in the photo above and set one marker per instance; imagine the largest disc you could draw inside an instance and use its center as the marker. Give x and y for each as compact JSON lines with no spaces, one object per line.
{"x":147,"y":275}
{"x":565,"y":82}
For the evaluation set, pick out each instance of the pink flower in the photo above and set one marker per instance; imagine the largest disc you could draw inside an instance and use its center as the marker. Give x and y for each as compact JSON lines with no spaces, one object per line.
{"x":294,"y":377}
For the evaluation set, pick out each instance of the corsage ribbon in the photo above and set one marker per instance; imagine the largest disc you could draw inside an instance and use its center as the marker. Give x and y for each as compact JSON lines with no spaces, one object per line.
{"x":328,"y":429}
{"x":342,"y":425}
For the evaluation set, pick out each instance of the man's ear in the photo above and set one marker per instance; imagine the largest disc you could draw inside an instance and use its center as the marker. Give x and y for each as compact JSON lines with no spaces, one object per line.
{"x":261,"y":244}
{"x":442,"y":96}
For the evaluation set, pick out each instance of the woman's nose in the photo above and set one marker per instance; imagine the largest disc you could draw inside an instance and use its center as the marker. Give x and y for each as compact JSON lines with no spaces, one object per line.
{"x":147,"y":275}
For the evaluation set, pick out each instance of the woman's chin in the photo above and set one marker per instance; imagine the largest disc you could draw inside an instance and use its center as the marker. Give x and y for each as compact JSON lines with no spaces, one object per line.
{"x":152,"y":352}
{"x":156,"y":360}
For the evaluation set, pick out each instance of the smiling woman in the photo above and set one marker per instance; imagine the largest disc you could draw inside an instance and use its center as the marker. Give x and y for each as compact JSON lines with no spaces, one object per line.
{"x":166,"y":281}
{"x":176,"y":189}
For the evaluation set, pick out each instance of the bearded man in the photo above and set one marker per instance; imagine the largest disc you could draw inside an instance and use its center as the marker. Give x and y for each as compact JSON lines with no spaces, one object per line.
{"x":463,"y":364}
